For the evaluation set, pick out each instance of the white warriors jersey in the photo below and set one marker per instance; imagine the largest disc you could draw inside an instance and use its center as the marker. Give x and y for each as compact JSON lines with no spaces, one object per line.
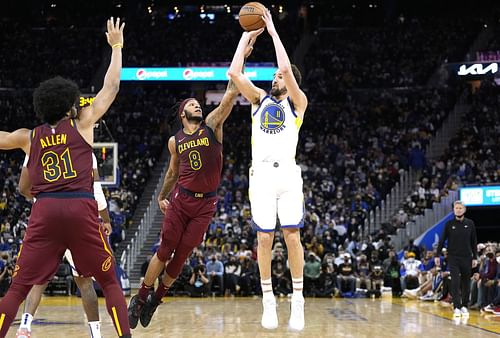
{"x":275,"y":131}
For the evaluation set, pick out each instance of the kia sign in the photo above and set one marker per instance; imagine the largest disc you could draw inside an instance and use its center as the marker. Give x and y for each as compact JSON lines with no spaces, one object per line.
{"x":193,"y":74}
{"x":474,"y":69}
{"x":478,"y":69}
{"x":480,"y":196}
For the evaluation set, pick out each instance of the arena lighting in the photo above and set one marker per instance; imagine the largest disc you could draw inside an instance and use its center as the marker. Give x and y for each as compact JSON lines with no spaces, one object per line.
{"x":53,"y":5}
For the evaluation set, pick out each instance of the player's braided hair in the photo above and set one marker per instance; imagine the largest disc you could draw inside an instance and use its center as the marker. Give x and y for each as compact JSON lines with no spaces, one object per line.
{"x":173,"y":118}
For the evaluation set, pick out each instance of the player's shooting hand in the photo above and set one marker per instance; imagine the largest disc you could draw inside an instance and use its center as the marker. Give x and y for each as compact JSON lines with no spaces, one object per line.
{"x":164,"y":203}
{"x":115,"y":32}
{"x":107,"y":228}
{"x":268,"y":19}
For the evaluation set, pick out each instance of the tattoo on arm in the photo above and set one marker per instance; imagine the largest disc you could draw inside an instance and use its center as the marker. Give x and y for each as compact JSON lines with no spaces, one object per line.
{"x":168,"y":184}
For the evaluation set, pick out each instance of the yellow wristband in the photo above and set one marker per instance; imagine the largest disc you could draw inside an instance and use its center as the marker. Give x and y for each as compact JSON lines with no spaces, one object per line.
{"x":117,"y":45}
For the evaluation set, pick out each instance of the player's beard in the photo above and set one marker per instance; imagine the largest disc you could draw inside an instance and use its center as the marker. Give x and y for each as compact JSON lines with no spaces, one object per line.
{"x":277,"y":92}
{"x":191,"y":118}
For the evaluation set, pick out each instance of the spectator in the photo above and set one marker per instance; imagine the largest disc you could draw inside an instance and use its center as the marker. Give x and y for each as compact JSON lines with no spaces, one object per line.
{"x":232,"y":271}
{"x":199,"y":283}
{"x":215,"y":272}
{"x":312,"y":270}
{"x":346,"y":278}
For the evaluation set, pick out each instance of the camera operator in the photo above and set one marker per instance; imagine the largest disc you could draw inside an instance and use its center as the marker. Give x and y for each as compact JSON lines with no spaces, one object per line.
{"x":199,"y":284}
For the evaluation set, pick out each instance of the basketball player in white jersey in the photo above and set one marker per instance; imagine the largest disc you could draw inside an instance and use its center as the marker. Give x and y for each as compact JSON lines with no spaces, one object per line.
{"x":275,"y":178}
{"x":85,"y":285}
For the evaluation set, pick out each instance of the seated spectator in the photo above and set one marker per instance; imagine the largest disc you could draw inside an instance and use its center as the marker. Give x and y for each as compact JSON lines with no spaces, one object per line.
{"x":248,"y":277}
{"x":346,"y":277}
{"x":364,"y":274}
{"x":487,"y":275}
{"x":410,"y":270}
{"x":280,"y":276}
{"x":312,"y":269}
{"x":215,"y":272}
{"x":393,"y":274}
{"x":326,"y":285}
{"x":199,"y":284}
{"x":232,"y":271}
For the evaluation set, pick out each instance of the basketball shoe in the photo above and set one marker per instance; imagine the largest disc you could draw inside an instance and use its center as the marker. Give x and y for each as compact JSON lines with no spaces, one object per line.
{"x":296,"y":321}
{"x":134,"y":310}
{"x":149,"y":309}
{"x":269,"y":315}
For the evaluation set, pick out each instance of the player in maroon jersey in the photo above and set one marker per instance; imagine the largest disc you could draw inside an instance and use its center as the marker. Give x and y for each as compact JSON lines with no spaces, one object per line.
{"x":187,"y":198}
{"x":60,"y":170}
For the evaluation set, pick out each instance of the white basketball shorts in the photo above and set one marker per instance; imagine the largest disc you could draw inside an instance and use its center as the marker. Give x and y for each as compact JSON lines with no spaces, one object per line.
{"x":276,"y":190}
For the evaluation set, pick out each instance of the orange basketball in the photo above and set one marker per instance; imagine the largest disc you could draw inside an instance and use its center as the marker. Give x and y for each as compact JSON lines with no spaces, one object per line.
{"x":251,"y":16}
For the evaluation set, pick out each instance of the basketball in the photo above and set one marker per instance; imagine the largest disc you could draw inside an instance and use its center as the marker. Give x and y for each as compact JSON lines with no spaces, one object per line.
{"x":251,"y":16}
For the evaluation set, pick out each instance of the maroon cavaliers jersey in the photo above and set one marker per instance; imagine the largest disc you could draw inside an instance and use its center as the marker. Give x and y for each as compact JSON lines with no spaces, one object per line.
{"x":200,"y":157}
{"x":60,"y":159}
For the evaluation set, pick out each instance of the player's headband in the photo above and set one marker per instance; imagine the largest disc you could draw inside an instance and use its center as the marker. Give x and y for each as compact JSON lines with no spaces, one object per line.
{"x":182,"y":105}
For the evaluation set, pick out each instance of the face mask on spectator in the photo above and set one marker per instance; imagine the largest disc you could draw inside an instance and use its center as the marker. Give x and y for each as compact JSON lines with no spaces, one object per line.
{"x":498,"y":259}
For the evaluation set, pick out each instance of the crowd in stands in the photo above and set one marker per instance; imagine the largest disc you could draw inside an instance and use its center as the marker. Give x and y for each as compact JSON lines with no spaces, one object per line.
{"x":470,"y":158}
{"x":400,"y":53}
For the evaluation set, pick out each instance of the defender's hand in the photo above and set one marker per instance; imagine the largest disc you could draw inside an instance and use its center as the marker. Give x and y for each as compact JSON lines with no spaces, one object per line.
{"x":115,"y":33}
{"x":107,"y":228}
{"x":163,"y":205}
{"x":252,"y":37}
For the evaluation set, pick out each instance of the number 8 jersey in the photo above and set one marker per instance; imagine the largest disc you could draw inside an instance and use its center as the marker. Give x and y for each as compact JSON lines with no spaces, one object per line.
{"x":60,"y":159}
{"x":200,"y":157}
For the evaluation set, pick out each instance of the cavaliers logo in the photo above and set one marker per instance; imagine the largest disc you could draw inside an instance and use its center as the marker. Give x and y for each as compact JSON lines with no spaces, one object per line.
{"x":272,"y":119}
{"x":106,"y":264}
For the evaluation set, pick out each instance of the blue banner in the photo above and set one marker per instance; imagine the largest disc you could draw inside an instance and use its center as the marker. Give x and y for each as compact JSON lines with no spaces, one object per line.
{"x":431,"y":237}
{"x":480,"y":196}
{"x":193,"y":74}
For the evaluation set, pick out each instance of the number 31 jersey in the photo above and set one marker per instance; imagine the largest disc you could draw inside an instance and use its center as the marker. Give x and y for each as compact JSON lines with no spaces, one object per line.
{"x":200,"y":156}
{"x":60,"y":159}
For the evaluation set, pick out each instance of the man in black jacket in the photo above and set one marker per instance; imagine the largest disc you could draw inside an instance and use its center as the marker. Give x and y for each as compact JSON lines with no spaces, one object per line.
{"x":461,"y":235}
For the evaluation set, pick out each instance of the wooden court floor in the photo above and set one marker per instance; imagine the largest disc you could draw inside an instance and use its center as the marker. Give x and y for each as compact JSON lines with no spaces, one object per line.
{"x":240,"y":317}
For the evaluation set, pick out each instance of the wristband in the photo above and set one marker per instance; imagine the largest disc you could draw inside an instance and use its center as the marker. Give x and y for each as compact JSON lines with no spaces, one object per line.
{"x":117,"y":45}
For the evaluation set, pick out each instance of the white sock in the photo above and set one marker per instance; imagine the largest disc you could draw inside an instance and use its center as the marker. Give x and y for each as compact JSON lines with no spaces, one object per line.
{"x":26,"y":320}
{"x":267,"y":287}
{"x":95,"y":329}
{"x":298,"y":285}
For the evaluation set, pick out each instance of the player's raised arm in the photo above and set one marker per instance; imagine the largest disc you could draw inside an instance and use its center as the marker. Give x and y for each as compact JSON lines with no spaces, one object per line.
{"x":252,"y":93}
{"x":18,"y":139}
{"x":216,"y":118}
{"x":171,"y":176}
{"x":111,"y":85}
{"x":297,"y":96}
